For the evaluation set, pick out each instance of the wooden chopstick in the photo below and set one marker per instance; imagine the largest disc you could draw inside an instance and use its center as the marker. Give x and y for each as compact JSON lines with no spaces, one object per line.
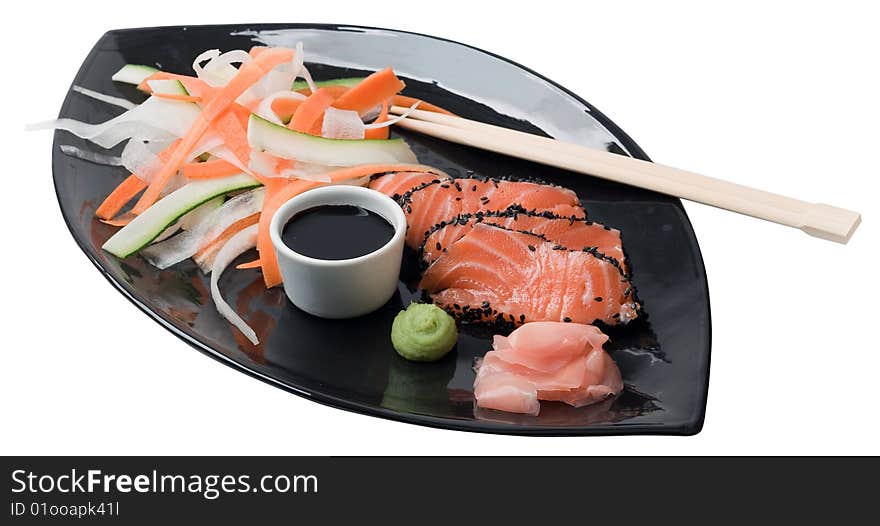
{"x":817,"y":219}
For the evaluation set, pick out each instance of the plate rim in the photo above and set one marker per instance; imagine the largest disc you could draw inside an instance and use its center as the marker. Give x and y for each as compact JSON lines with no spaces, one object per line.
{"x":687,"y":428}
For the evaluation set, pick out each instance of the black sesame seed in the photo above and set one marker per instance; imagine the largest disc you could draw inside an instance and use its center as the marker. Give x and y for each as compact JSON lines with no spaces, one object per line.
{"x":474,"y":188}
{"x":522,"y":318}
{"x":485,"y":304}
{"x":566,"y":319}
{"x":439,"y":247}
{"x":532,"y":248}
{"x":598,"y":298}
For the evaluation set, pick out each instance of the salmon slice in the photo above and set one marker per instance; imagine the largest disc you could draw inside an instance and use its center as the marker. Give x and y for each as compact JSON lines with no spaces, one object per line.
{"x":509,"y":277}
{"x":396,"y":185}
{"x":551,"y":361}
{"x":437,"y":199}
{"x":567,"y":231}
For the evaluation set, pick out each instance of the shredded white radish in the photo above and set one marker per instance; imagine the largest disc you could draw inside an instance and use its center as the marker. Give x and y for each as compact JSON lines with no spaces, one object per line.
{"x":265,"y":111}
{"x":389,"y":122}
{"x":236,"y":246}
{"x":219,"y":69}
{"x":304,"y":73}
{"x":155,"y":118}
{"x":109,"y":99}
{"x":168,"y":232}
{"x":298,"y":62}
{"x":199,"y":213}
{"x":204,"y":56}
{"x":92,"y":157}
{"x":342,"y":124}
{"x":178,"y":248}
{"x":141,"y":159}
{"x":266,"y":165}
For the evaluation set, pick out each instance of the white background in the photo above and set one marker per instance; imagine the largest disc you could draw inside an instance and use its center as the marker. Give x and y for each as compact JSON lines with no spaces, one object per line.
{"x":782,"y":96}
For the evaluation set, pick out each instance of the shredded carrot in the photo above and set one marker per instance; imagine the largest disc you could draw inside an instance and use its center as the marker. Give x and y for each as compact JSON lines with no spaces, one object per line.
{"x":310,"y":111}
{"x":403,"y":100}
{"x":120,"y":196}
{"x":379,"y":133}
{"x":175,"y":96}
{"x":210,"y":169}
{"x":250,"y":264}
{"x":336,"y":91}
{"x":247,"y":75}
{"x":227,"y":234}
{"x":285,"y":108}
{"x":257,"y":51}
{"x":228,"y":126}
{"x":370,"y":92}
{"x":121,"y":220}
{"x":279,"y":192}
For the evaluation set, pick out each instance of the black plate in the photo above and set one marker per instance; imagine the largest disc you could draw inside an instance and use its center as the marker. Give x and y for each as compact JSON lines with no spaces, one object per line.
{"x":350,"y":364}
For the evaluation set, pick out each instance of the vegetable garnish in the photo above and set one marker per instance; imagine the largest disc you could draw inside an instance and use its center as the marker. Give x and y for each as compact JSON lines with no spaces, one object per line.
{"x":213,"y":155}
{"x":423,"y":333}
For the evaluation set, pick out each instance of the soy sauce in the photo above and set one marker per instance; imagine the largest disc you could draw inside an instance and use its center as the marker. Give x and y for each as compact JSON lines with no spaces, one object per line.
{"x":336,"y":232}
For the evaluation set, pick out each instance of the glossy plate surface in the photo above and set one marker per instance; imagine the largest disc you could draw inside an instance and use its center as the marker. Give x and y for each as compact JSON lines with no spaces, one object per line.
{"x":351,"y":364}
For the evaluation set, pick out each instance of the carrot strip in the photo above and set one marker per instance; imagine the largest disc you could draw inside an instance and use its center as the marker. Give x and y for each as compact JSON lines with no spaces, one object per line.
{"x":234,"y":135}
{"x":310,"y":111}
{"x":120,"y":196}
{"x":121,"y":220}
{"x":210,"y":169}
{"x":335,"y":91}
{"x":279,"y":192}
{"x":403,"y":100}
{"x":257,"y":51}
{"x":379,"y":133}
{"x":250,"y":264}
{"x":227,"y":234}
{"x":370,"y":92}
{"x":285,"y":108}
{"x":248,"y":74}
{"x":175,"y":96}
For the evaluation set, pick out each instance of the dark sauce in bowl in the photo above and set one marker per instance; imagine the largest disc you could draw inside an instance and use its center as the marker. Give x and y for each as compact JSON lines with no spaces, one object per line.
{"x":335,"y":232}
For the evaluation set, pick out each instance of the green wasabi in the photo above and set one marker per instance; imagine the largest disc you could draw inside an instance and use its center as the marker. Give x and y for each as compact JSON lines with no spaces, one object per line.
{"x":423,"y":333}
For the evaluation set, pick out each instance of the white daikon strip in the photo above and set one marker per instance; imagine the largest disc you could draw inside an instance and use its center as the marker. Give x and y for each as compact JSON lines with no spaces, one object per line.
{"x":236,"y":246}
{"x":109,"y":99}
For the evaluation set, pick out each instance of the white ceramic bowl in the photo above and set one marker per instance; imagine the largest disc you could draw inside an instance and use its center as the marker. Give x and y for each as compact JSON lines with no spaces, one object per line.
{"x":342,"y":288}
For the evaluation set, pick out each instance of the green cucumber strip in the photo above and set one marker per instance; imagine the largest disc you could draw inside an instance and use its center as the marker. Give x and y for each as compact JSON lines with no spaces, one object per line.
{"x":133,"y":73}
{"x":145,"y":227}
{"x":347,"y":82}
{"x":168,"y":87}
{"x":290,"y":144}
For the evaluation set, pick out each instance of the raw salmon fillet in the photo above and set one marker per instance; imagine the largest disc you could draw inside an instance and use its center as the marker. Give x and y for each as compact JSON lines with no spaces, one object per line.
{"x":435,"y":200}
{"x":396,"y":185}
{"x":567,"y":231}
{"x":550,"y":361}
{"x":510,"y":277}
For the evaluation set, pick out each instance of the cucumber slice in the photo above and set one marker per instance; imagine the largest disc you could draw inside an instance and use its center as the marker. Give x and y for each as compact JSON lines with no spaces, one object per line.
{"x":347,"y":82}
{"x":133,"y":73}
{"x":284,"y":142}
{"x":145,"y":227}
{"x":167,"y":87}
